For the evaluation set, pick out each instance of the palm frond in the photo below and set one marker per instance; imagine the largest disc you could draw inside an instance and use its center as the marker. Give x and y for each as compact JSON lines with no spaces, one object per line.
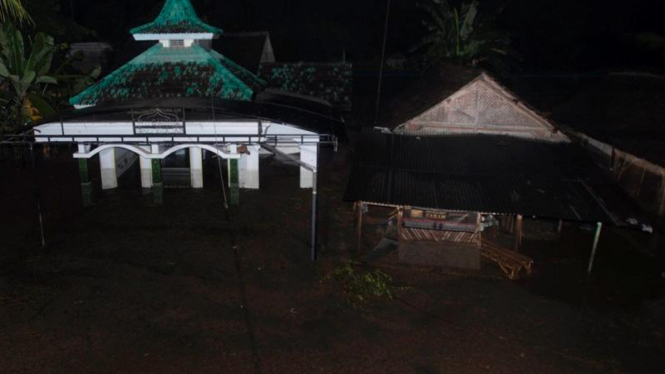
{"x":464,"y":33}
{"x":650,"y":41}
{"x":13,"y":10}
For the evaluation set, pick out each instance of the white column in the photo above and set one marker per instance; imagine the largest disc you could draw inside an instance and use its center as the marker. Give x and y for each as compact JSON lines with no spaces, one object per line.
{"x":308,"y":155}
{"x":146,"y":169}
{"x":196,"y":167}
{"x":107,"y":166}
{"x":83,"y":148}
{"x":248,"y":167}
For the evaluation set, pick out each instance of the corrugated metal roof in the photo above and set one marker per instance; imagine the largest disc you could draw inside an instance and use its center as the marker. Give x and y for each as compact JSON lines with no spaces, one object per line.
{"x":482,"y":173}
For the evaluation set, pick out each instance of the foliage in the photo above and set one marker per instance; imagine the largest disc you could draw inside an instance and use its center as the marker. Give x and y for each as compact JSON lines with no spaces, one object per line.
{"x":49,"y":18}
{"x":27,"y":80}
{"x":650,"y":42}
{"x":22,"y":78}
{"x":359,"y":287}
{"x":464,"y":35}
{"x":13,"y":10}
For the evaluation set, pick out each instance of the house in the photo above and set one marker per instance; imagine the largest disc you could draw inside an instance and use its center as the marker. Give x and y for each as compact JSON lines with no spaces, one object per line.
{"x":457,"y":154}
{"x":247,"y":49}
{"x":449,"y":189}
{"x":179,"y":96}
{"x":328,"y":81}
{"x":619,"y":117}
{"x":92,"y":54}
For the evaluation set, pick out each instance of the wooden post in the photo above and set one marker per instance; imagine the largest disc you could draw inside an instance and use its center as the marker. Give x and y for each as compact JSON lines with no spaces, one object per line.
{"x":480,"y":233}
{"x":359,"y":224}
{"x":400,"y":223}
{"x":518,"y":233}
{"x":661,"y":211}
{"x":157,"y":183}
{"x":599,"y":227}
{"x":234,"y":182}
{"x":559,"y":228}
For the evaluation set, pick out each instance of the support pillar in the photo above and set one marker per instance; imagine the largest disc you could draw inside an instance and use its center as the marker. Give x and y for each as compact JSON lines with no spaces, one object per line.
{"x":86,"y":185}
{"x":315,"y":197}
{"x":196,"y":167}
{"x":249,"y":168}
{"x":108,"y":171}
{"x":38,"y":199}
{"x":146,"y":169}
{"x":157,"y":184}
{"x":234,"y":182}
{"x":309,"y":155}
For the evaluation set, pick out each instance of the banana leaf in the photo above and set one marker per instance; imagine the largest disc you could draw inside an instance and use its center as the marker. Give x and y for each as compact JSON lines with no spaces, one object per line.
{"x":45,"y":110}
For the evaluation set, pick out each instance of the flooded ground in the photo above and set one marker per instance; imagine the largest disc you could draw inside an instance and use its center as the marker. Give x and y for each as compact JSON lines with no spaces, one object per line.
{"x":129,"y":287}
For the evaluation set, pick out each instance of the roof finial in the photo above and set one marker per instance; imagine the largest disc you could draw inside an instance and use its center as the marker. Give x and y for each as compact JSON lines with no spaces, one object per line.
{"x":177,"y":20}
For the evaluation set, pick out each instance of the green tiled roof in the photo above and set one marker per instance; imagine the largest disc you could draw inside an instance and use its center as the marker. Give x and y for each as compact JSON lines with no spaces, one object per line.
{"x":177,"y":17}
{"x":173,"y":72}
{"x":328,"y":81}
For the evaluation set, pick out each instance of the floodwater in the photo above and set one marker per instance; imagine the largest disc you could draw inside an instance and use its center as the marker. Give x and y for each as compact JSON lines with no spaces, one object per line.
{"x":129,"y":287}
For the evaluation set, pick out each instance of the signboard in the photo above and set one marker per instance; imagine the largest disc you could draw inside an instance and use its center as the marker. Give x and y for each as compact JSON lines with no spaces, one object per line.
{"x":440,"y":220}
{"x":160,"y":121}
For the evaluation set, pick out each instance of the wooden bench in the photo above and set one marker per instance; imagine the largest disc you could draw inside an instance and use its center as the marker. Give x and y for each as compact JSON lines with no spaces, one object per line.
{"x":511,"y":262}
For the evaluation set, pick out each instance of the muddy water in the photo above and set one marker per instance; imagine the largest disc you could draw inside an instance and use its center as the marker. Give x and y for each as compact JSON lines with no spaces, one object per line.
{"x":624,"y":273}
{"x":126,"y":286}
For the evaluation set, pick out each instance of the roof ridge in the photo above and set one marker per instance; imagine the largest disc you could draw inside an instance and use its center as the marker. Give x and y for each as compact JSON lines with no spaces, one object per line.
{"x":247,"y":33}
{"x":225,"y":73}
{"x":640,"y":74}
{"x":227,"y":60}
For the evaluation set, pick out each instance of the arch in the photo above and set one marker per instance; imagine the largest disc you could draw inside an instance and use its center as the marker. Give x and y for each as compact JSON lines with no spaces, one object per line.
{"x":157,"y":156}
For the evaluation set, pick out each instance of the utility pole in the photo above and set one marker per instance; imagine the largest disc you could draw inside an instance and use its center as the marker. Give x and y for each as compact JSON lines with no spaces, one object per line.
{"x":383,"y":58}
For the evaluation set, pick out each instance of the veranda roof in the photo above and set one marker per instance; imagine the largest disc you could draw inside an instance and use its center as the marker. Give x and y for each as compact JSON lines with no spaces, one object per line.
{"x":278,"y":107}
{"x":488,"y":174}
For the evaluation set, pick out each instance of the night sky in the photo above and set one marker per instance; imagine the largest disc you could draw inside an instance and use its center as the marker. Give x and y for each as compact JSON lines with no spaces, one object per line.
{"x":550,"y":35}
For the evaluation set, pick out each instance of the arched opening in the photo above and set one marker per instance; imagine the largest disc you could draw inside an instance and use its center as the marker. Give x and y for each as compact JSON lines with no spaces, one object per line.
{"x":176,"y":171}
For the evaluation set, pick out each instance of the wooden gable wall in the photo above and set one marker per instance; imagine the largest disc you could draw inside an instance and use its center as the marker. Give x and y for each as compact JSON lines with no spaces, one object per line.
{"x":482,"y":107}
